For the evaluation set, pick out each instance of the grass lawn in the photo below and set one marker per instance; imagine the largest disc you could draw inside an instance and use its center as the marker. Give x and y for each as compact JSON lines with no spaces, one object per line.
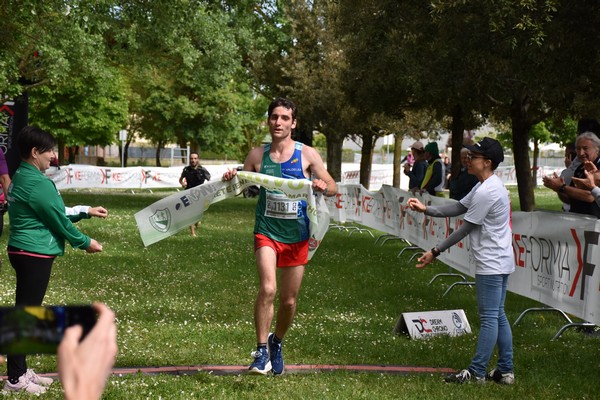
{"x":189,"y":301}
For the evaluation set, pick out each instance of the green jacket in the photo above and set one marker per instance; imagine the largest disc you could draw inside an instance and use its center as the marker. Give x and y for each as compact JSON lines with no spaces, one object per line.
{"x":36,"y":212}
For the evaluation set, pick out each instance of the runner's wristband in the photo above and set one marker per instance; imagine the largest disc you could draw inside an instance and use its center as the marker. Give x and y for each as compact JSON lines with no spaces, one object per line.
{"x":436,"y":252}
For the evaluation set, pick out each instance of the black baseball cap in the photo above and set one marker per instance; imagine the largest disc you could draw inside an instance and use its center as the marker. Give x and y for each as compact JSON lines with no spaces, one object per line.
{"x":490,"y":148}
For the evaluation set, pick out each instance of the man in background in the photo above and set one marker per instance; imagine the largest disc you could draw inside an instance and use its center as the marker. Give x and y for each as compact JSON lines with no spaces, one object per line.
{"x":416,"y":171}
{"x":434,"y":179}
{"x":461,"y":184}
{"x":194,"y":175}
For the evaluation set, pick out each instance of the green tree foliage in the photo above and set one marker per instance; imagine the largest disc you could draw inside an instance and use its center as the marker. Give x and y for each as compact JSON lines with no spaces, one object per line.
{"x":55,"y":50}
{"x":180,"y":61}
{"x":469,"y":59}
{"x":400,"y":63}
{"x":263,"y":34}
{"x":48,"y":43}
{"x":198,"y":71}
{"x":312,"y":74}
{"x":183,"y":60}
{"x":88,"y":111}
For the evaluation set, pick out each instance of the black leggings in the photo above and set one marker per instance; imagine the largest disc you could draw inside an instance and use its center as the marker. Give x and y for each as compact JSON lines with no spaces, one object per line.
{"x":33,"y":275}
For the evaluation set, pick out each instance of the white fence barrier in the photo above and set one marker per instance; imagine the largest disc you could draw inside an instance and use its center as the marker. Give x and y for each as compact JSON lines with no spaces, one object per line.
{"x":556,"y":253}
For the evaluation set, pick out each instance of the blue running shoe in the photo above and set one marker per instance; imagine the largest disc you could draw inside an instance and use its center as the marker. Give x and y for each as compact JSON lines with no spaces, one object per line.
{"x":275,"y":354}
{"x":261,"y":364}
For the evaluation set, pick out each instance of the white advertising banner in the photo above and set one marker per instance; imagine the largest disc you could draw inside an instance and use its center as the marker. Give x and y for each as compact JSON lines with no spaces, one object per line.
{"x":556,"y":254}
{"x":170,"y":215}
{"x":75,"y":176}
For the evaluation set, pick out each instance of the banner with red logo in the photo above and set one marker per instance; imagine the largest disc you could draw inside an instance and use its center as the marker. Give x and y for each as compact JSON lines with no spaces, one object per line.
{"x":77,"y":176}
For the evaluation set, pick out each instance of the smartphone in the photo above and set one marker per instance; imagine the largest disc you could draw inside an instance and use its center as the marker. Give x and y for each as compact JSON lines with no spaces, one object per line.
{"x":39,"y":329}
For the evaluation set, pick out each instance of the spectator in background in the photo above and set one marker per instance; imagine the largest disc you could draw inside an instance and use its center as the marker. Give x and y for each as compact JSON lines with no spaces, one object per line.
{"x":591,"y":180}
{"x":434,"y":180}
{"x":570,"y":154}
{"x":194,"y":175}
{"x":416,"y":172}
{"x":447,"y":169}
{"x":5,"y":183}
{"x":571,"y":163}
{"x":408,"y":158}
{"x":581,"y":201}
{"x":462,"y":184}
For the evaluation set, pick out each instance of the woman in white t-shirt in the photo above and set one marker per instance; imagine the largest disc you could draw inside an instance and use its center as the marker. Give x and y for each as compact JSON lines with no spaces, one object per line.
{"x":487,"y":222}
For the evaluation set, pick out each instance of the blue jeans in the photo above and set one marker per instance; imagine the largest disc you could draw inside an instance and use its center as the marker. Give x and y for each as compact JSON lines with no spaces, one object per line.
{"x":495,"y":329}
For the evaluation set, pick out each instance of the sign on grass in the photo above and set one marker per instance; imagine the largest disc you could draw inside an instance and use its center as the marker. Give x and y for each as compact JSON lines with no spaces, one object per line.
{"x":422,"y":325}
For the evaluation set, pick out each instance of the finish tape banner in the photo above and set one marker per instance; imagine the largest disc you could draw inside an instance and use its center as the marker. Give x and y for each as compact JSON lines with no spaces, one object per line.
{"x":170,"y":215}
{"x":556,"y":253}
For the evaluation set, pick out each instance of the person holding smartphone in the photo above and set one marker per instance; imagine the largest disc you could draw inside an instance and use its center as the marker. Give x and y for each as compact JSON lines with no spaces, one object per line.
{"x":84,"y":365}
{"x":39,"y":228}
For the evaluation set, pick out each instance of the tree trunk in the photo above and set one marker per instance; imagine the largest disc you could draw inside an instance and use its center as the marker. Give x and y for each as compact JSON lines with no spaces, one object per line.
{"x":126,"y":148}
{"x":534,"y":170}
{"x":334,"y":156}
{"x":61,"y":146}
{"x":520,"y":135}
{"x":458,"y":129}
{"x":194,"y":148}
{"x":185,"y":159}
{"x":123,"y":156}
{"x":397,"y":159}
{"x":72,"y":153}
{"x":157,"y":156}
{"x":366,"y":159}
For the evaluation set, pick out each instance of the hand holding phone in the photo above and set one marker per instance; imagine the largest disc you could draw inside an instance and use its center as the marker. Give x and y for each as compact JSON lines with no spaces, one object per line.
{"x":39,"y":329}
{"x":85,"y":365}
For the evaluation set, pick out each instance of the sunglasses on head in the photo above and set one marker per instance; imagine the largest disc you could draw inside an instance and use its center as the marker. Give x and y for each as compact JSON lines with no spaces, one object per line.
{"x":471,"y":156}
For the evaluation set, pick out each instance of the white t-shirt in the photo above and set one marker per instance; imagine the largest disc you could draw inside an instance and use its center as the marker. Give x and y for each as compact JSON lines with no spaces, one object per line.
{"x":488,"y":206}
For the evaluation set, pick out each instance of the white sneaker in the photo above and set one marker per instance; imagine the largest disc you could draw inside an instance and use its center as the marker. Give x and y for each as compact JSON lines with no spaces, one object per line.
{"x":38,"y":380}
{"x":24,"y":385}
{"x":507,"y":378}
{"x":464,"y":376}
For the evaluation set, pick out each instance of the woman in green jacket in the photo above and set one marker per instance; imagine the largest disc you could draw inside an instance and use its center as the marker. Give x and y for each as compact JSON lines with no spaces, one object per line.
{"x":39,"y":228}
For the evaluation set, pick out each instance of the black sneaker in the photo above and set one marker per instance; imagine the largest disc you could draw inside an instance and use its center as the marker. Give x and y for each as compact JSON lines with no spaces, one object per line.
{"x":507,"y":378}
{"x":464,"y":376}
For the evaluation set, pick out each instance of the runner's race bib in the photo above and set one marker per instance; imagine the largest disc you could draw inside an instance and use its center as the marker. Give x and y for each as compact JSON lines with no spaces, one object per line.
{"x":279,"y":206}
